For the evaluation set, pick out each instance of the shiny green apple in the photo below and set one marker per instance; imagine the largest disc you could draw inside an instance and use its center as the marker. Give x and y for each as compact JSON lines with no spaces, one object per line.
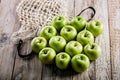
{"x":78,"y":23}
{"x":59,"y":22}
{"x":62,"y":60}
{"x":85,"y":37}
{"x":57,"y":43}
{"x":47,"y":55}
{"x":92,"y":50}
{"x":38,"y":43}
{"x":95,"y":27}
{"x":80,"y":62}
{"x":68,"y":32}
{"x":73,"y":48}
{"x":47,"y":32}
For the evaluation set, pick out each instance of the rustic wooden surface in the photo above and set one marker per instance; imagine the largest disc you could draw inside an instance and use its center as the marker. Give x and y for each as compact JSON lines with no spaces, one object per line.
{"x":107,"y":67}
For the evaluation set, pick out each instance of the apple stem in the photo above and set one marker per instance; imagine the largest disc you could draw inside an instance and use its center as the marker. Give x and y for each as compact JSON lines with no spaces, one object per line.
{"x":62,"y":56}
{"x":49,"y":30}
{"x":85,"y":35}
{"x":68,"y":30}
{"x":40,"y":41}
{"x":58,"y":39}
{"x":75,"y":44}
{"x":79,"y":19}
{"x":92,"y":47}
{"x":81,"y":57}
{"x":45,"y":52}
{"x":97,"y":24}
{"x":59,"y":18}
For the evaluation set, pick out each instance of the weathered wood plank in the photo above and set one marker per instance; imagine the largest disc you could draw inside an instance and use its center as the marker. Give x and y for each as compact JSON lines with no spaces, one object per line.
{"x":8,"y":24}
{"x":99,"y":69}
{"x":6,"y":62}
{"x":66,"y":74}
{"x":114,"y":23}
{"x":102,"y":65}
{"x":80,"y":5}
{"x":27,"y":69}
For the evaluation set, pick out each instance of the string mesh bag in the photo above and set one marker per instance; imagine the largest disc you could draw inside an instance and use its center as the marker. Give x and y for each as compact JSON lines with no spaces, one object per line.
{"x":35,"y":14}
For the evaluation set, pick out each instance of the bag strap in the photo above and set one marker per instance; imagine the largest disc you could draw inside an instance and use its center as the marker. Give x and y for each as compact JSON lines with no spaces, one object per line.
{"x":18,"y":49}
{"x":94,"y":12}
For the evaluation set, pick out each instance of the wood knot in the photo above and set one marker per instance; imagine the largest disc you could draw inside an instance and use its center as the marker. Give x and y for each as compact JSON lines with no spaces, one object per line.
{"x":18,"y":76}
{"x":3,"y":38}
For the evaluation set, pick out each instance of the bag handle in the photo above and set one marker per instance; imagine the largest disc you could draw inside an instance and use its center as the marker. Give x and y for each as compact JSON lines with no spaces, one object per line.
{"x":94,"y":12}
{"x":19,"y":48}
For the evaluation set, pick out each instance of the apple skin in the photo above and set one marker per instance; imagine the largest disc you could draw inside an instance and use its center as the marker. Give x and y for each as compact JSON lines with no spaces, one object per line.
{"x":78,"y":23}
{"x":47,"y":32}
{"x":57,"y":43}
{"x":85,"y":37}
{"x":47,"y":55}
{"x":68,"y":32}
{"x":95,"y":27}
{"x":80,"y":62}
{"x":59,"y":22}
{"x":62,"y":60}
{"x":92,"y":50}
{"x":38,"y":43}
{"x":73,"y":48}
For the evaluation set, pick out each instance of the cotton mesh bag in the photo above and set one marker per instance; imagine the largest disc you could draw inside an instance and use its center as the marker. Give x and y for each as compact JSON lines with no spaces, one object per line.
{"x":35,"y":14}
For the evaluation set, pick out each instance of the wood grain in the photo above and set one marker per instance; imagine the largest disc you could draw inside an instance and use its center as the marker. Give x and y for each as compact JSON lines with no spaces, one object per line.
{"x":99,"y":69}
{"x":102,"y":65}
{"x":79,"y":6}
{"x":114,"y":23}
{"x":12,"y":67}
{"x":8,"y":24}
{"x":27,"y":69}
{"x":66,"y":74}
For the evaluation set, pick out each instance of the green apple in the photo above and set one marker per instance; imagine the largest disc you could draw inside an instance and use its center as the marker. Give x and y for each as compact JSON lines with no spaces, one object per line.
{"x":68,"y":32}
{"x":38,"y":43}
{"x":92,"y":50}
{"x":59,"y":22}
{"x":47,"y":32}
{"x":79,"y":23}
{"x":85,"y":37}
{"x":95,"y":27}
{"x":62,"y":60}
{"x":57,"y":43}
{"x":73,"y":48}
{"x":47,"y":55}
{"x":80,"y":62}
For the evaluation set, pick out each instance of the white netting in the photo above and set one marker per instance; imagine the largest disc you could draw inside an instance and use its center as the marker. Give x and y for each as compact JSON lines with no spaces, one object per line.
{"x":35,"y":14}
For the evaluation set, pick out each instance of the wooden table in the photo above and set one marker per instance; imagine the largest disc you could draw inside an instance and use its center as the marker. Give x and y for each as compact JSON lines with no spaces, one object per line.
{"x":107,"y":67}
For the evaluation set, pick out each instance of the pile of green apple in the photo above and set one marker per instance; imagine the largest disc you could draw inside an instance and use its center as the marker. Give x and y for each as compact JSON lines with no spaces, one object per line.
{"x":68,"y":43}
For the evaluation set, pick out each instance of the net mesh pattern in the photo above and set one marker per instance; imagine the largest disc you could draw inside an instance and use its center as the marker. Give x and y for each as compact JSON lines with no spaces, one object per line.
{"x":35,"y":14}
